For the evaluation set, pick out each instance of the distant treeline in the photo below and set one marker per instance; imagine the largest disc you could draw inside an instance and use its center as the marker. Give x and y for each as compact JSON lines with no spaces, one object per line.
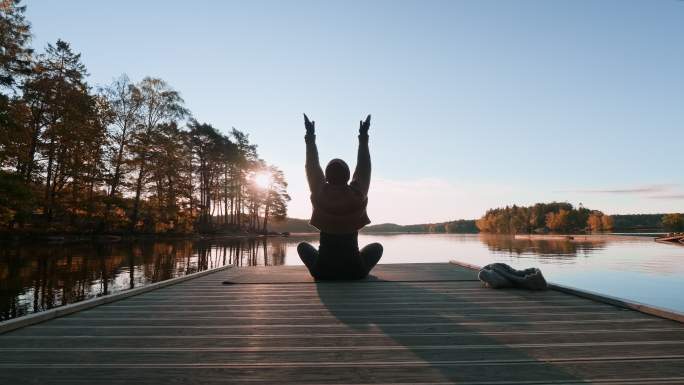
{"x":562,"y":217}
{"x":643,"y":222}
{"x":294,"y":225}
{"x":125,"y":157}
{"x":457,"y":226}
{"x":559,"y":217}
{"x":595,"y":220}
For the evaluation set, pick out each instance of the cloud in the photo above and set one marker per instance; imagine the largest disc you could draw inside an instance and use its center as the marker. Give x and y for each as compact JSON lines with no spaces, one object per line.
{"x":639,"y":190}
{"x":669,"y":196}
{"x":655,"y":191}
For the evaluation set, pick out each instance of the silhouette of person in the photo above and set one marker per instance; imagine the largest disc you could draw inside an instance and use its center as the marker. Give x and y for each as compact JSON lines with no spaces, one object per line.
{"x":339,"y":212}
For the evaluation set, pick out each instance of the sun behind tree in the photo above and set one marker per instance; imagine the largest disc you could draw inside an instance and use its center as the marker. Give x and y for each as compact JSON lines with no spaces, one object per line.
{"x":262,"y":180}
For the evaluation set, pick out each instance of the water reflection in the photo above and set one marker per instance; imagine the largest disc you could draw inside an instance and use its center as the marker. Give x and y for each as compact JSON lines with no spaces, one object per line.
{"x":564,"y":248}
{"x":36,"y":277}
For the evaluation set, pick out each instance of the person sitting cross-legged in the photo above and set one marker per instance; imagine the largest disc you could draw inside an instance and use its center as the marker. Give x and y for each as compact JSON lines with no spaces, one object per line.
{"x":339,"y":212}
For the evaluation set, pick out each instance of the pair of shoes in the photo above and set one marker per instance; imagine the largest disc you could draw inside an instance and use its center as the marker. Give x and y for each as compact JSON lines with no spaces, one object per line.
{"x":500,"y":275}
{"x":533,"y":280}
{"x":492,"y":279}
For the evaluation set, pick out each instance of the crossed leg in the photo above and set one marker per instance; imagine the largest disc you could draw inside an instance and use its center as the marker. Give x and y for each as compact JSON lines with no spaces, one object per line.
{"x":309,"y":255}
{"x":371,"y":254}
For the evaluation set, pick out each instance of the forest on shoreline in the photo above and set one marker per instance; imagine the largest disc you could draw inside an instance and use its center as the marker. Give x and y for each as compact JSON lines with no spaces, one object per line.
{"x":563,"y":218}
{"x":521,"y":220}
{"x":122,"y":158}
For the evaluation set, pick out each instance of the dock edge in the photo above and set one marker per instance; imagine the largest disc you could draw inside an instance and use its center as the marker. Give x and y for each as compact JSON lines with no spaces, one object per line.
{"x":618,"y":302}
{"x":34,"y":318}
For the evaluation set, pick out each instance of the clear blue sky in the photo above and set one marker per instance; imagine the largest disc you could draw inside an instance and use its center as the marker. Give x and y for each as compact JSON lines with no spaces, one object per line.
{"x":475,"y":103}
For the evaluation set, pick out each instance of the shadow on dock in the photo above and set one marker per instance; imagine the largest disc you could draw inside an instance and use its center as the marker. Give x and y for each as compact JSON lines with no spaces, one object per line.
{"x":452,"y":348}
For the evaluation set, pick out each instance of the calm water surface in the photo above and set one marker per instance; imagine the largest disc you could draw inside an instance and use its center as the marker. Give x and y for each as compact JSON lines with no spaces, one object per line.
{"x":38,"y":277}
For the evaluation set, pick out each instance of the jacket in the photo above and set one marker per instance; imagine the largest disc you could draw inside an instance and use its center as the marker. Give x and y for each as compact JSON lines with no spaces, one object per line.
{"x":338,"y":209}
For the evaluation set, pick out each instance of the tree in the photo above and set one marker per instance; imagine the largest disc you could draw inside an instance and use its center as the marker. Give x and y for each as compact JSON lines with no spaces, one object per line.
{"x":598,"y":221}
{"x":244,"y":162}
{"x":275,"y":203}
{"x":607,"y":222}
{"x":15,"y":35}
{"x":15,"y":60}
{"x":62,"y":120}
{"x":125,"y":102}
{"x":160,"y":104}
{"x":558,"y":222}
{"x":212,"y":153}
{"x":171,"y":177}
{"x":74,"y":155}
{"x":16,"y":200}
{"x":673,"y":222}
{"x":594,"y":222}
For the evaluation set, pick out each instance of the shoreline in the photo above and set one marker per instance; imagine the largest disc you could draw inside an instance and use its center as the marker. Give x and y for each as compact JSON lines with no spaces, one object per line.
{"x":67,"y":238}
{"x":61,"y":238}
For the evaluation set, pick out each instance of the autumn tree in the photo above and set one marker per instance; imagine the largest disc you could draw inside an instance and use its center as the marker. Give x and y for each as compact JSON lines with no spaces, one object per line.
{"x":62,"y":118}
{"x":673,"y":222}
{"x":160,"y":104}
{"x":594,"y":222}
{"x":558,"y":222}
{"x":598,"y":221}
{"x":607,"y":222}
{"x":115,"y":159}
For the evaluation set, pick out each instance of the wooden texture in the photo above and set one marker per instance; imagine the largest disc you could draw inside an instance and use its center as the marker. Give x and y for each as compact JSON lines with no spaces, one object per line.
{"x":412,"y":323}
{"x":418,"y":272}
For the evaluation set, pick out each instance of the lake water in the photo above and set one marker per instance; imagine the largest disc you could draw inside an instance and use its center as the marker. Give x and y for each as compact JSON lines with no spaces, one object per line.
{"x":37,"y":277}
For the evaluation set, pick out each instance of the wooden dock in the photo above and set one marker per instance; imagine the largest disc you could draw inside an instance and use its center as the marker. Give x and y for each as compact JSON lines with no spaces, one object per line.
{"x":673,"y":238}
{"x":410,"y":323}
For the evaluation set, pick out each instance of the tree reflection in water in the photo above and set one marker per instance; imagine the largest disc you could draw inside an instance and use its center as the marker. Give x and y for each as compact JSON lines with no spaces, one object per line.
{"x":36,"y":277}
{"x":563,"y":248}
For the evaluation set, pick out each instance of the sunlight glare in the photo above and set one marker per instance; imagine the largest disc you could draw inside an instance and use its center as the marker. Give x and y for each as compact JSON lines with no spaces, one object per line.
{"x":262,"y":180}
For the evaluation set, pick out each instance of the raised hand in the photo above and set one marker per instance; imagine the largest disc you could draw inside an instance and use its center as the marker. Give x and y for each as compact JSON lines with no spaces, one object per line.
{"x":364,"y":126}
{"x":310,"y":125}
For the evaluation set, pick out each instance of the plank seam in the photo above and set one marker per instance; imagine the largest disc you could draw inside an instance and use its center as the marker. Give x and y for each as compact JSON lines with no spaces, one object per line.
{"x":335,"y":364}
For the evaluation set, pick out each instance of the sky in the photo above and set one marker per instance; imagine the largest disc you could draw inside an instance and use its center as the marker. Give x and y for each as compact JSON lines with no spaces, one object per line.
{"x":475,"y":104}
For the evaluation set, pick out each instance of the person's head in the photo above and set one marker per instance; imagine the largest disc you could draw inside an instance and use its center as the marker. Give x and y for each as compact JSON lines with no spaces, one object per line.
{"x":337,"y":172}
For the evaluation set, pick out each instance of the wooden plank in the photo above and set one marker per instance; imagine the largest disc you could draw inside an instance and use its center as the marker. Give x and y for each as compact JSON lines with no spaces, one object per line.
{"x":433,"y":301}
{"x":343,"y":339}
{"x":383,"y":272}
{"x":354,"y":355}
{"x":323,"y":315}
{"x":365,"y":373}
{"x":180,"y":322}
{"x":337,"y":327}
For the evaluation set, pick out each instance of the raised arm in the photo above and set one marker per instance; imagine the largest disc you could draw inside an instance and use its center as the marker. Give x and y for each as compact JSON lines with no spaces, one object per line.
{"x":362,"y":173}
{"x":314,"y":173}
